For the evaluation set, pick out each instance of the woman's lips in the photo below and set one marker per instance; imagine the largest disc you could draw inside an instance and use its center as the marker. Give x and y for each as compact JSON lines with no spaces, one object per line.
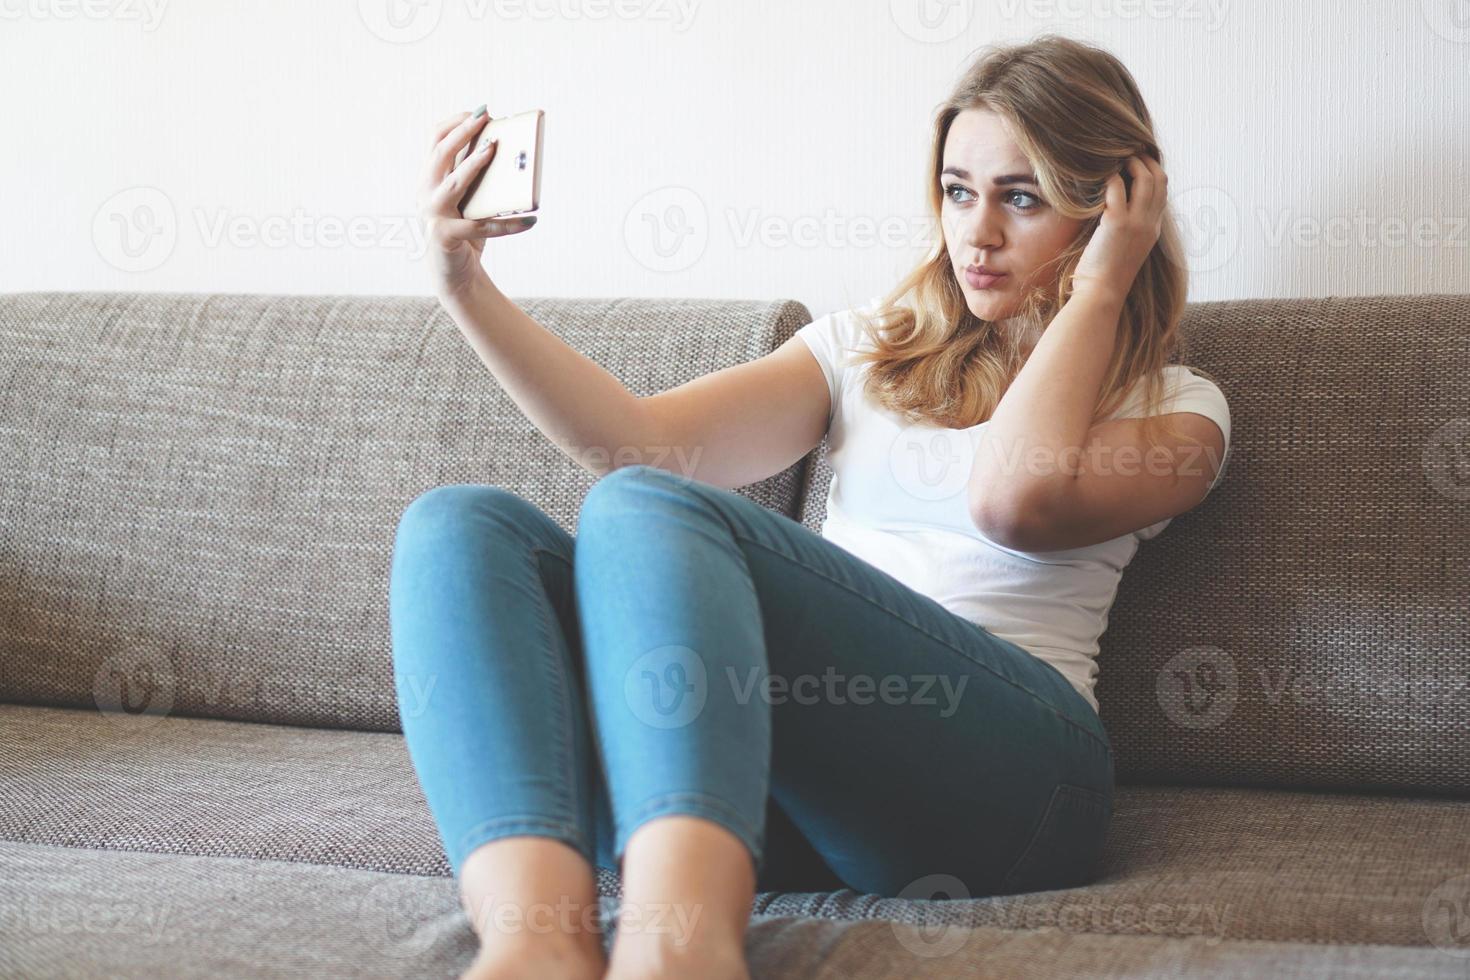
{"x":979,"y":280}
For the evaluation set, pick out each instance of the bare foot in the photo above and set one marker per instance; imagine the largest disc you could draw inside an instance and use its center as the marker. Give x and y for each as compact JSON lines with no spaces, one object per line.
{"x":657,"y":957}
{"x":688,"y":883}
{"x":508,"y":887}
{"x":549,"y":957}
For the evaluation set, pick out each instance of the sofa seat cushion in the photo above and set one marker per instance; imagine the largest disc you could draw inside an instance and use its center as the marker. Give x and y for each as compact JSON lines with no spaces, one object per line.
{"x":82,"y":912}
{"x":1210,"y":863}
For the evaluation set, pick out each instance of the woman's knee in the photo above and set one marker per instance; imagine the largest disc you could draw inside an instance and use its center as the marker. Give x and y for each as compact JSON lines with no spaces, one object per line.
{"x":615,"y":487}
{"x":449,"y":506}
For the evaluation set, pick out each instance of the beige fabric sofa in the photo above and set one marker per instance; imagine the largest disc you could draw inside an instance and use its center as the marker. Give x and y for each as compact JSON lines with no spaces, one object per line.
{"x":200,"y":770}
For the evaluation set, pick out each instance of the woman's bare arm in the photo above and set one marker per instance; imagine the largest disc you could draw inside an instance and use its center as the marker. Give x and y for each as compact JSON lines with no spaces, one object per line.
{"x":582,"y":408}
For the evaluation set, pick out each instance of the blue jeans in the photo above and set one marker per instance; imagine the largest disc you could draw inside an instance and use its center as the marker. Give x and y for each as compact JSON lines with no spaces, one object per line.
{"x":690,"y":651}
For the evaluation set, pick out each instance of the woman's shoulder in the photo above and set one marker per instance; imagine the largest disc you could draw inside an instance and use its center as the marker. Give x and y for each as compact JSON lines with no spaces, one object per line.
{"x":842,"y":329}
{"x":1189,"y":383}
{"x":1183,"y":390}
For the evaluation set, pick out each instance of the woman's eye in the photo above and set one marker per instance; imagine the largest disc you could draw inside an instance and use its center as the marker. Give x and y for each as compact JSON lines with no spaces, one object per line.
{"x":950,"y":189}
{"x":1026,"y":207}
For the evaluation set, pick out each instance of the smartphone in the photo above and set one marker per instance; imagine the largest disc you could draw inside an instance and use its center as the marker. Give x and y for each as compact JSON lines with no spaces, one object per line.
{"x":511,"y":182}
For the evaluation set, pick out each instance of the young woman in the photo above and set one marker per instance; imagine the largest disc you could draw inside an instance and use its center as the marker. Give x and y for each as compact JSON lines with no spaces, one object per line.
{"x":705,"y":695}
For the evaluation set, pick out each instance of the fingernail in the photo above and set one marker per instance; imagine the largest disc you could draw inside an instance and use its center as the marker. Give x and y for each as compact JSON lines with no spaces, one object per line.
{"x":479,"y":112}
{"x":529,"y":220}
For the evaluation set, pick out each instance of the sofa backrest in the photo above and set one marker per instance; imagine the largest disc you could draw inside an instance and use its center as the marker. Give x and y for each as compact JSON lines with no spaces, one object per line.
{"x":1308,"y":625}
{"x":200,"y":492}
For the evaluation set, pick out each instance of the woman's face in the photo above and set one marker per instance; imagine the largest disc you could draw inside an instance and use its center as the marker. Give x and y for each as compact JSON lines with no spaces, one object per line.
{"x":993,"y":216}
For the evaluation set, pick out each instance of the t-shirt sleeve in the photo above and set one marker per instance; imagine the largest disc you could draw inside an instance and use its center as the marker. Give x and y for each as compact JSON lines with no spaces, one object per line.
{"x":1193,"y":393}
{"x":822,"y":338}
{"x":832,"y":338}
{"x":1186,"y":391}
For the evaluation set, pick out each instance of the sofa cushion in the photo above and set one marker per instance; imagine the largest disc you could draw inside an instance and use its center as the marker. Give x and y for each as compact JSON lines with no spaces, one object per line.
{"x":80,"y":912}
{"x":1219,"y":864}
{"x":1307,"y":625}
{"x":200,"y":491}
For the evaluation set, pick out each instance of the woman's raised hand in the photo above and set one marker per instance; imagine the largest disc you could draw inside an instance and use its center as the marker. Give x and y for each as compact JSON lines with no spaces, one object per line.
{"x":454,"y":241}
{"x":1131,"y":223}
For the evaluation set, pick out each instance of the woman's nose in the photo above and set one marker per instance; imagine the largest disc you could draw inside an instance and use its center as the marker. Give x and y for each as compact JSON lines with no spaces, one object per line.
{"x":982,"y":230}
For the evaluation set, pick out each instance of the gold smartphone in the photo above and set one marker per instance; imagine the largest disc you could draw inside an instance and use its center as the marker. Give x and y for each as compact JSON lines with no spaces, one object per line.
{"x":511,"y":182}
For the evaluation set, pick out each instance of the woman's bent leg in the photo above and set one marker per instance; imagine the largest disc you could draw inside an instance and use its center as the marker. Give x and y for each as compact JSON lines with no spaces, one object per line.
{"x":468,"y":624}
{"x":488,"y":683}
{"x":732,"y":652}
{"x":662,"y":594}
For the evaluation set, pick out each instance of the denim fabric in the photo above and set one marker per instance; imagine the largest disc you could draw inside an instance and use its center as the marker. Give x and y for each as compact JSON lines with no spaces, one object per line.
{"x":690,"y":651}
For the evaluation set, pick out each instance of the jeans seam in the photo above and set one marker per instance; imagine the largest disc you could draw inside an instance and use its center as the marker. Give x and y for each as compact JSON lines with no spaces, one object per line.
{"x":538,"y":550}
{"x":1061,"y":793}
{"x":593,"y":734}
{"x":564,"y":749}
{"x":918,"y":626}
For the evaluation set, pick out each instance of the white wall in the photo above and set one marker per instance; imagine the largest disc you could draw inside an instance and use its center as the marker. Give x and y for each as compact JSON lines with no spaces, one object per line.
{"x":1317,"y":147}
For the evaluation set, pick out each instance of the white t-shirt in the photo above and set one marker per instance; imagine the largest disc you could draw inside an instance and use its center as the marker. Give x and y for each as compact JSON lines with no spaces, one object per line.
{"x":898,"y":499}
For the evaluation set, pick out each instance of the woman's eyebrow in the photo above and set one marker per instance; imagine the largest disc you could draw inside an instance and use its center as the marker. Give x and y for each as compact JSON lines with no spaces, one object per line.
{"x":1001,"y":181}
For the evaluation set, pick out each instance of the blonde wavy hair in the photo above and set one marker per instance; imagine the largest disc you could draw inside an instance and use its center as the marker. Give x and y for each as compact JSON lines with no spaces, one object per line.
{"x":1076,"y":113}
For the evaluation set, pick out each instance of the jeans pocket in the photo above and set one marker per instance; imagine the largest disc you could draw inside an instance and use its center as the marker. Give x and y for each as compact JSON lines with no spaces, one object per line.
{"x":1067,"y":845}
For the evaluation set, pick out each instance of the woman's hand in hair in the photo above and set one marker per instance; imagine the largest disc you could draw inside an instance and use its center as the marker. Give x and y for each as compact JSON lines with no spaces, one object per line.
{"x":1131,"y":222}
{"x":454,"y":241}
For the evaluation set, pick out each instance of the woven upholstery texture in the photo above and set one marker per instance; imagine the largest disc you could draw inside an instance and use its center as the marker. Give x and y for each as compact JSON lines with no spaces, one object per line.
{"x":78,"y":913}
{"x":201,"y":491}
{"x":196,"y":520}
{"x":1307,"y":625}
{"x":1229,"y":863}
